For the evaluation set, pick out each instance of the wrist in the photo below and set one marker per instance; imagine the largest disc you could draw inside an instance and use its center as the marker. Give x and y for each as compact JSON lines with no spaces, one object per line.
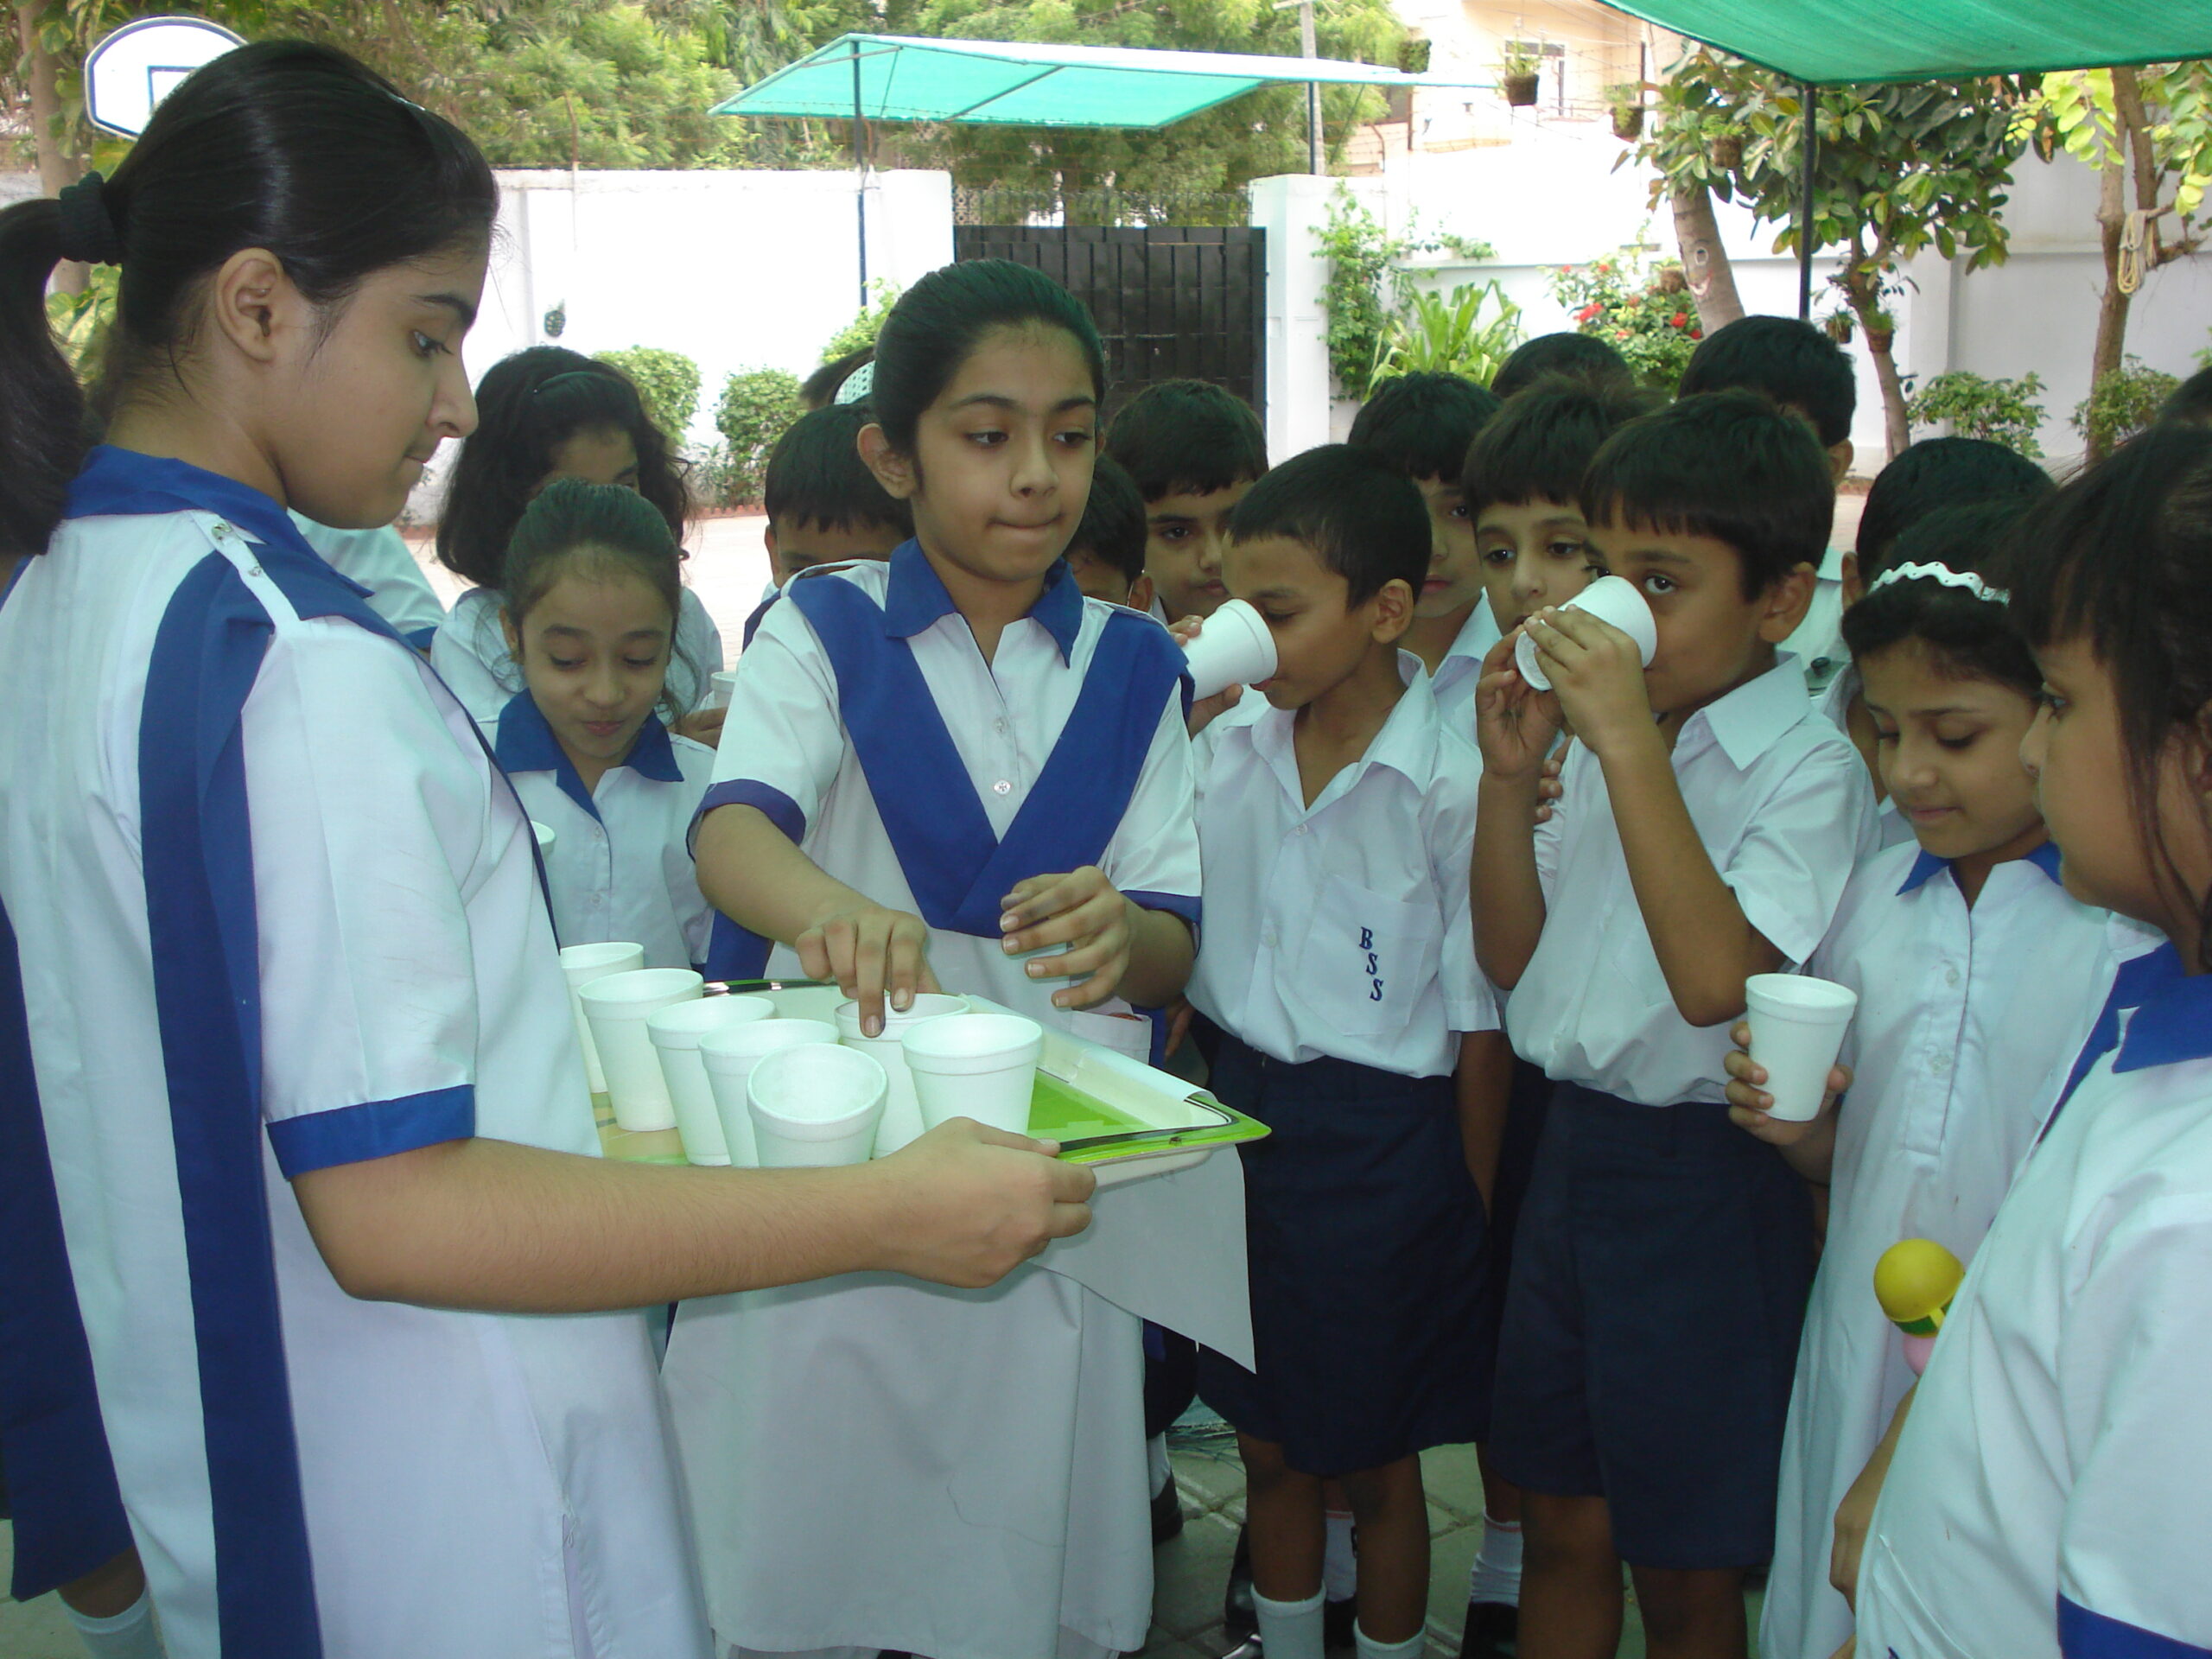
{"x":1623,"y":741}
{"x":1510,"y":786}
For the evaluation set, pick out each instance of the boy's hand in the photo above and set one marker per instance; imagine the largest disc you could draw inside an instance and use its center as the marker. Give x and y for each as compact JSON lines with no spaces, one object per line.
{"x":872,"y":951}
{"x":1548,"y":787}
{"x":1597,"y":674}
{"x":1749,"y":1104}
{"x":703,"y":725}
{"x":1515,"y":724}
{"x":969,"y":1205}
{"x":1205,"y":710}
{"x":1081,"y":910}
{"x":1180,"y":1015}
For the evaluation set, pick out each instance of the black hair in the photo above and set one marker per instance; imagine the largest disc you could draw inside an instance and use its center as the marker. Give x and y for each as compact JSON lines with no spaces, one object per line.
{"x":1113,"y":528}
{"x":815,"y":475}
{"x":1187,"y":437}
{"x":1729,"y":464}
{"x":1422,"y":424}
{"x":2121,"y":558}
{"x":1584,"y":356}
{"x":1361,"y":517}
{"x":2192,"y":400}
{"x":1938,"y":473}
{"x":1789,"y":360}
{"x":292,"y":148}
{"x":819,"y":390}
{"x":1542,"y":442}
{"x":528,"y":405}
{"x":939,"y":321}
{"x":595,"y":530}
{"x":1971,"y":638}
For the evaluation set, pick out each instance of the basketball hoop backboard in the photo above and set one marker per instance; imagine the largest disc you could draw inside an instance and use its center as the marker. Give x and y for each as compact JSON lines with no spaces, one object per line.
{"x":131,"y":72}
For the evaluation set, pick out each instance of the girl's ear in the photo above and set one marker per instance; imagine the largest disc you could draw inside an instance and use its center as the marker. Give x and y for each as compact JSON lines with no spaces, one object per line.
{"x":255,"y":307}
{"x":894,"y":470}
{"x":514,"y":636}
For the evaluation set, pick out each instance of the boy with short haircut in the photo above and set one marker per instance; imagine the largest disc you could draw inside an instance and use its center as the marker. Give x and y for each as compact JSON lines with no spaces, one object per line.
{"x":1335,"y":817}
{"x":1194,"y":449}
{"x":1421,"y":426}
{"x":824,"y":506}
{"x":1809,"y":374}
{"x":1584,"y":357}
{"x":1709,"y":822}
{"x":1106,"y":555}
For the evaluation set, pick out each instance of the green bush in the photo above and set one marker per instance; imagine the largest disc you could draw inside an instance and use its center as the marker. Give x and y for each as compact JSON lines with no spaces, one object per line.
{"x":862,"y":329}
{"x":2122,"y":404}
{"x":667,"y":382}
{"x":1450,"y":336}
{"x":2004,"y":411}
{"x":756,"y":405}
{"x":1648,"y":317}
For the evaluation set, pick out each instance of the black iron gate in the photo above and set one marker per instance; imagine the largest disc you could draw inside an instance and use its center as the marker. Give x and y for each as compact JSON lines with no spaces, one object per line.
{"x":1172,"y":301}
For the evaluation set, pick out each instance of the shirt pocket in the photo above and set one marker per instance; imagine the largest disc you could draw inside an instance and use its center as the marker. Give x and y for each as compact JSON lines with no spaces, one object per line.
{"x":1367,"y":958}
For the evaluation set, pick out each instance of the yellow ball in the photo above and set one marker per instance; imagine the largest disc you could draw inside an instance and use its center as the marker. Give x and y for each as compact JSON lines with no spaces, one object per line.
{"x":1915,"y":1281}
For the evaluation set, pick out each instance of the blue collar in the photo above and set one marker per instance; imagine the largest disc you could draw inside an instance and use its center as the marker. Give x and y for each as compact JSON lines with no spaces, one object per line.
{"x":2173,"y":1022}
{"x":915,"y":598}
{"x":2044,"y":858}
{"x":526,"y":743}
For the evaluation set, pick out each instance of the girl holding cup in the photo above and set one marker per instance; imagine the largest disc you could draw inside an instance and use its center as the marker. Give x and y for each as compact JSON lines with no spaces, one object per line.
{"x":1977,"y":975}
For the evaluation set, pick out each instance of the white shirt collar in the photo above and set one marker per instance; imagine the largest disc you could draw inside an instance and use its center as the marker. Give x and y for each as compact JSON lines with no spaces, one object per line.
{"x":1407,"y":744}
{"x":1747,"y":721}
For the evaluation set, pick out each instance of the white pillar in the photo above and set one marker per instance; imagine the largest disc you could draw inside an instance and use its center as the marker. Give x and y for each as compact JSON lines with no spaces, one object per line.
{"x":1294,"y":208}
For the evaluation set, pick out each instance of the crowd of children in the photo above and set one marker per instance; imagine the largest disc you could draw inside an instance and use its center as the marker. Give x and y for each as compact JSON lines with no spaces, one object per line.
{"x":321,"y":1309}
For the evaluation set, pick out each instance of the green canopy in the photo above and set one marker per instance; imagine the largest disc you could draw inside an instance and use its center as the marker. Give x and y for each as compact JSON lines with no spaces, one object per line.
{"x":894,"y":77}
{"x":1823,"y":41}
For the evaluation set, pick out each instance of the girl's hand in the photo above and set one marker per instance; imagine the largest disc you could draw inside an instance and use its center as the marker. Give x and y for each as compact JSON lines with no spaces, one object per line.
{"x":1082,"y":911}
{"x":872,"y":952}
{"x":703,"y":725}
{"x":1597,"y":674}
{"x":1749,"y":1104}
{"x":1180,"y":1015}
{"x":1515,"y":724}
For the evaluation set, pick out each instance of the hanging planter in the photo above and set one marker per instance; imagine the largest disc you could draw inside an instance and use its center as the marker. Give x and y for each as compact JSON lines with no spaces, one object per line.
{"x":1520,"y":89}
{"x":1727,"y":152}
{"x":1628,"y":123}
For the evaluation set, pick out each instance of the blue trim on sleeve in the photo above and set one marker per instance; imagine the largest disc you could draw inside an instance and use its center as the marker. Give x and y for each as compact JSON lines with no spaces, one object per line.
{"x":2085,"y":1635}
{"x":374,"y":1129}
{"x":1175,"y":904}
{"x":772,"y":804}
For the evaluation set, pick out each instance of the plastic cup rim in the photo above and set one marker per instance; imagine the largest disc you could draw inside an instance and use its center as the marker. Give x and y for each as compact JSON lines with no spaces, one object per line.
{"x":749,"y":1056}
{"x":895,"y":1022}
{"x":678,"y":1034}
{"x":1834,"y":1003}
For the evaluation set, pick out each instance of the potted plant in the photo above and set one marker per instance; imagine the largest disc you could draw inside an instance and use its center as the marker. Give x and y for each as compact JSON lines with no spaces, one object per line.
{"x":1627,"y":101}
{"x":1726,"y":147}
{"x":1518,"y":72}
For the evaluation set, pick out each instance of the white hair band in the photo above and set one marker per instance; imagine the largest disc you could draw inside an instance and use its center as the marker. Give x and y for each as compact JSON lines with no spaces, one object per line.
{"x":1944,"y":574}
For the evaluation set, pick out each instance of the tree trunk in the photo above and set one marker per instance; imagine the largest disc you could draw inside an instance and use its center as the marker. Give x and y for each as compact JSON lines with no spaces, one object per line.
{"x":2133,"y":147}
{"x":1881,"y":339}
{"x":1704,"y":261}
{"x":58,"y":167}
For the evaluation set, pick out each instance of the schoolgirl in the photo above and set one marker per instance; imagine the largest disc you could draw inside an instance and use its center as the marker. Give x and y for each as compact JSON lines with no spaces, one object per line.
{"x":543,"y":414}
{"x":314,"y":1119}
{"x":1977,"y":975}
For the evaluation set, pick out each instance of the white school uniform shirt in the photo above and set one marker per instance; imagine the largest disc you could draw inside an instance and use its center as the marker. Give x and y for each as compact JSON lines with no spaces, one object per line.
{"x":470,"y":653}
{"x":621,"y":868}
{"x":1967,"y":1021}
{"x":2049,"y":1493}
{"x":1342,"y":928}
{"x":957,"y":1474}
{"x":1817,"y":641}
{"x":1780,"y":801}
{"x":1453,"y":683}
{"x":380,"y":561}
{"x":342,"y":954}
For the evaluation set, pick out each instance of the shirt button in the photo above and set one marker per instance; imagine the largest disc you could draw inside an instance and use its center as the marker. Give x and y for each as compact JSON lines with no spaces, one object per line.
{"x":1002,"y":787}
{"x":1268,"y":938}
{"x":1940,"y":1064}
{"x":1950,"y":976}
{"x":1002,"y":725}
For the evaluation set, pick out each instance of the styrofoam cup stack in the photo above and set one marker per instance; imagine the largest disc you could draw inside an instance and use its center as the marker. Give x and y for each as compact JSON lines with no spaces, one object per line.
{"x":982,"y":1065}
{"x":815,"y":1106}
{"x":617,"y":1009}
{"x":1233,"y":647}
{"x":676,"y":1032}
{"x":1610,"y":599}
{"x":902,"y":1114}
{"x":1797,"y":1025}
{"x":581,"y":964}
{"x":728,"y":1053}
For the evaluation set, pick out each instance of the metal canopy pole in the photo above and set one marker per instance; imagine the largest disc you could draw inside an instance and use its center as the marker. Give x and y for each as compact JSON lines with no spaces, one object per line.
{"x":860,"y":173}
{"x":1805,"y":208}
{"x":1308,"y":48}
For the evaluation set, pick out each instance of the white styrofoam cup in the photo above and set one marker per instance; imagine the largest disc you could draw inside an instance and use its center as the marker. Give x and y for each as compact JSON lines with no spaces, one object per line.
{"x":617,"y":1009}
{"x":1233,"y":647}
{"x":815,"y":1106}
{"x":1797,"y":1025}
{"x":729,"y":1054}
{"x":544,"y":834}
{"x":902,"y":1114}
{"x":581,"y":964}
{"x":1610,"y":599}
{"x":981,"y":1066}
{"x":675,"y":1031}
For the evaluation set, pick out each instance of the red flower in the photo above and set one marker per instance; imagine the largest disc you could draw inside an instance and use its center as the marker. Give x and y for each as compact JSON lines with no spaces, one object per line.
{"x":1588,"y":311}
{"x":1697,"y":334}
{"x":1680,"y":320}
{"x":1620,"y":334}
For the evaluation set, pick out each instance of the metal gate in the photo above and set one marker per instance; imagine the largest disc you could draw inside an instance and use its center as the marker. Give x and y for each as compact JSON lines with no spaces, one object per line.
{"x":1172,"y":301}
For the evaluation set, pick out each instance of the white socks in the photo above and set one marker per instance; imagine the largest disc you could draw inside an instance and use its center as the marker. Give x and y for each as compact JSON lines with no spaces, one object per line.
{"x":1339,"y":1567}
{"x":1155,"y":1455}
{"x":1370,"y":1648}
{"x":129,"y":1634}
{"x":1497,"y":1575}
{"x":1290,"y":1630}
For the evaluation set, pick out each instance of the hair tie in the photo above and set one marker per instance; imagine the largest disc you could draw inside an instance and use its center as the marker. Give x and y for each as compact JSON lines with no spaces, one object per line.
{"x":88,"y":229}
{"x":858,"y":384}
{"x":1943,"y":573}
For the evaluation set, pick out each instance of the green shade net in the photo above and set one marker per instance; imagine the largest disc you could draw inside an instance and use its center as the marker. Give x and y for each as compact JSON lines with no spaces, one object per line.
{"x":892,"y":78}
{"x":1829,"y":41}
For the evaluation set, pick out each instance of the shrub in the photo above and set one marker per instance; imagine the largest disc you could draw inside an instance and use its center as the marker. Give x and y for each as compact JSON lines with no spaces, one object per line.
{"x":2121,"y":404}
{"x":1450,"y":336}
{"x":667,"y":382}
{"x":862,"y":329}
{"x":1648,"y":317}
{"x":756,"y":405}
{"x":2004,"y":411}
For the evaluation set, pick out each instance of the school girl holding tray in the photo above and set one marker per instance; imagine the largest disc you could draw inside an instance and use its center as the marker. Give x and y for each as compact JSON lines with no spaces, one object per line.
{"x":2046,"y":1494}
{"x":315,"y":1125}
{"x":1978,"y":976}
{"x":934,"y":766}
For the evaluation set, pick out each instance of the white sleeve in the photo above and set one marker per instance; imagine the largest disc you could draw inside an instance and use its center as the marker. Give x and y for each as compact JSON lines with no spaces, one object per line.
{"x":698,"y":652}
{"x":380,"y":561}
{"x":1154,"y":856}
{"x":366,"y":820}
{"x":2133,"y":1355}
{"x":1573,"y":774}
{"x":1789,"y":870}
{"x":457,"y":654}
{"x":1470,"y":1001}
{"x":784,"y":738}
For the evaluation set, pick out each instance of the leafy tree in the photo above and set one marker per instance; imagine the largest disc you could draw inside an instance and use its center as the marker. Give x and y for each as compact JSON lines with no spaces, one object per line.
{"x":667,"y":384}
{"x":1693,"y":107}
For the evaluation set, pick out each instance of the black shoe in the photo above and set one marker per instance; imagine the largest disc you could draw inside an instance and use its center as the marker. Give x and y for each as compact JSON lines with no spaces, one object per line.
{"x":1339,"y":1621}
{"x":1239,"y":1619}
{"x":1167,"y":1514}
{"x":1493,"y":1630}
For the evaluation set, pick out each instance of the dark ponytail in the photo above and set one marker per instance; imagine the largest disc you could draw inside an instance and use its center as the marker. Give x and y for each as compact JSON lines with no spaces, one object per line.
{"x":282,"y":145}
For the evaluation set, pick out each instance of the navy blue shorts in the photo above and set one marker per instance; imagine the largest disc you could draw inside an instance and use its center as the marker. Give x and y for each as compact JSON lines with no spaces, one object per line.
{"x":1516,"y":1165}
{"x":1659,"y":1284}
{"x":1366,"y":1239}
